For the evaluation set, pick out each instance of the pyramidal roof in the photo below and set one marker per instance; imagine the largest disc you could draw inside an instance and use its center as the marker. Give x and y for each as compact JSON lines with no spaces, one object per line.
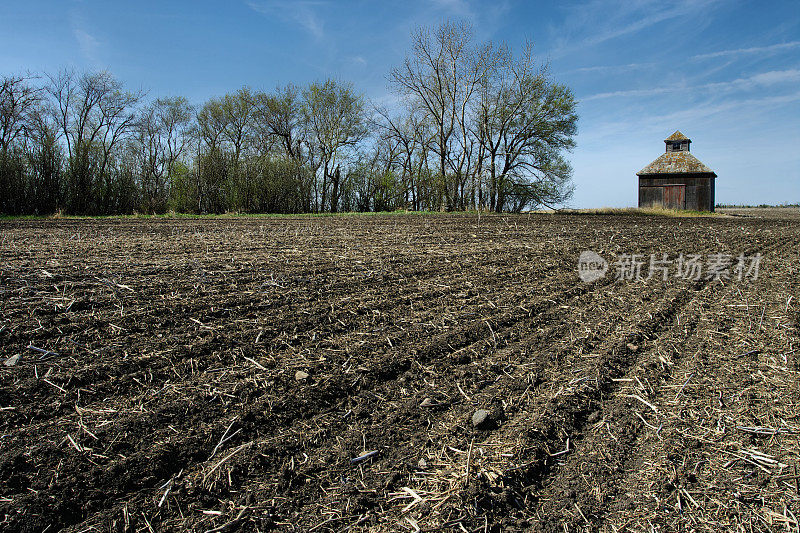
{"x":677,"y":136}
{"x":676,"y":163}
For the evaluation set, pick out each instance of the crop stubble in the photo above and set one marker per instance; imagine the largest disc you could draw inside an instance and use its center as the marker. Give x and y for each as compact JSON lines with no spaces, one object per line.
{"x":168,"y":398}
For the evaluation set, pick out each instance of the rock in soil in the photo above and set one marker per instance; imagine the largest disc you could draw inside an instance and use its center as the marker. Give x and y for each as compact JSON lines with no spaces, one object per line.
{"x":301,"y":376}
{"x":481,"y":419}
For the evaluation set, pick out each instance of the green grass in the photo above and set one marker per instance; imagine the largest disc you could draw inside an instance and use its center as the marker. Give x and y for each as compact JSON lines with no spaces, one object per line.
{"x":21,"y":217}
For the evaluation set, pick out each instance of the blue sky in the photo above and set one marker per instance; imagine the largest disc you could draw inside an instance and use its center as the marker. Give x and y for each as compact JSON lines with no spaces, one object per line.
{"x":725,"y":73}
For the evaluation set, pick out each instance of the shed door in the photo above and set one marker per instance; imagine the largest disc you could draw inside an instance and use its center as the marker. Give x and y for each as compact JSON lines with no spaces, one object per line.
{"x":675,"y":196}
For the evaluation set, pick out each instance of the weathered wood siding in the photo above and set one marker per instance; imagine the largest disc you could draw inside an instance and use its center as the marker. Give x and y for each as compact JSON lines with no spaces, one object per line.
{"x":698,"y":192}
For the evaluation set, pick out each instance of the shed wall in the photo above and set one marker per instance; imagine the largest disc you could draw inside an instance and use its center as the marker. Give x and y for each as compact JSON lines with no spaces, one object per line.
{"x":699,"y":192}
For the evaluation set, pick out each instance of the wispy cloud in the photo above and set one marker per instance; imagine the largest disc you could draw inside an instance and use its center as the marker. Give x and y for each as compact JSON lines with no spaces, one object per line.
{"x":775,"y":76}
{"x":388,"y":101}
{"x":704,"y":110}
{"x":88,"y":44}
{"x":485,"y":19}
{"x":598,"y":21}
{"x":735,"y":111}
{"x":763,"y":79}
{"x":302,"y":12}
{"x":460,"y":8}
{"x":775,"y":48}
{"x":611,"y":68}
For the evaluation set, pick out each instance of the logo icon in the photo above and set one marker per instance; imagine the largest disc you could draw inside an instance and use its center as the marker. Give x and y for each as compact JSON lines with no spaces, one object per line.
{"x":591,"y":266}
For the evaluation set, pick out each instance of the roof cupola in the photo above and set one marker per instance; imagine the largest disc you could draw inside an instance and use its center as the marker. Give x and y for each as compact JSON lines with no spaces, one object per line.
{"x":678,"y":142}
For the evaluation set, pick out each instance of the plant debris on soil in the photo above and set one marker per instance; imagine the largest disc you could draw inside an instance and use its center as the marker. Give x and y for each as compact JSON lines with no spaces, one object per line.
{"x":396,"y":373}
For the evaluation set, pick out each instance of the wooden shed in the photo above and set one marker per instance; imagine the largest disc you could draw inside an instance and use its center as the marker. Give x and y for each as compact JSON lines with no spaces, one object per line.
{"x":677,"y":179}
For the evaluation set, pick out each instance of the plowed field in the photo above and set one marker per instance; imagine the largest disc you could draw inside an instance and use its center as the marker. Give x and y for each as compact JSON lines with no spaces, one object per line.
{"x":322,"y":374}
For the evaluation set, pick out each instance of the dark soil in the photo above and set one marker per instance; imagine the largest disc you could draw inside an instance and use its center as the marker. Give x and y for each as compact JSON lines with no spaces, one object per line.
{"x":165,"y":394}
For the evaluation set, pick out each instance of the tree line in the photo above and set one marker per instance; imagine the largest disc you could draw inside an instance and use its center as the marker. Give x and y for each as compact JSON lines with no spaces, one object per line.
{"x":472,"y":126}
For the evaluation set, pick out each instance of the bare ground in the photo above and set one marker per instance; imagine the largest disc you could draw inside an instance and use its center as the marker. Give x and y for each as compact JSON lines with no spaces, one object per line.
{"x":158,"y":384}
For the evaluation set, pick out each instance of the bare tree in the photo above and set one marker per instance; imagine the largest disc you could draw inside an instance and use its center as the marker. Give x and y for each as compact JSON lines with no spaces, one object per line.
{"x":239,"y":110}
{"x":45,"y":157}
{"x":19,"y":101}
{"x":491,"y":113}
{"x":411,"y":136}
{"x":282,"y":133}
{"x":336,"y":119}
{"x":524,"y":123}
{"x":212,"y":164}
{"x":19,"y":104}
{"x":479,"y":128}
{"x":280,"y":116}
{"x":439,"y":78}
{"x":162,"y":138}
{"x":175,"y":116}
{"x":212,"y":122}
{"x":94,"y":114}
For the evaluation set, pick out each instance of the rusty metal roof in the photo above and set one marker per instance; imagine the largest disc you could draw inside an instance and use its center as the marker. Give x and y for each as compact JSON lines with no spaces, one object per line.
{"x":677,"y":136}
{"x":676,"y":163}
